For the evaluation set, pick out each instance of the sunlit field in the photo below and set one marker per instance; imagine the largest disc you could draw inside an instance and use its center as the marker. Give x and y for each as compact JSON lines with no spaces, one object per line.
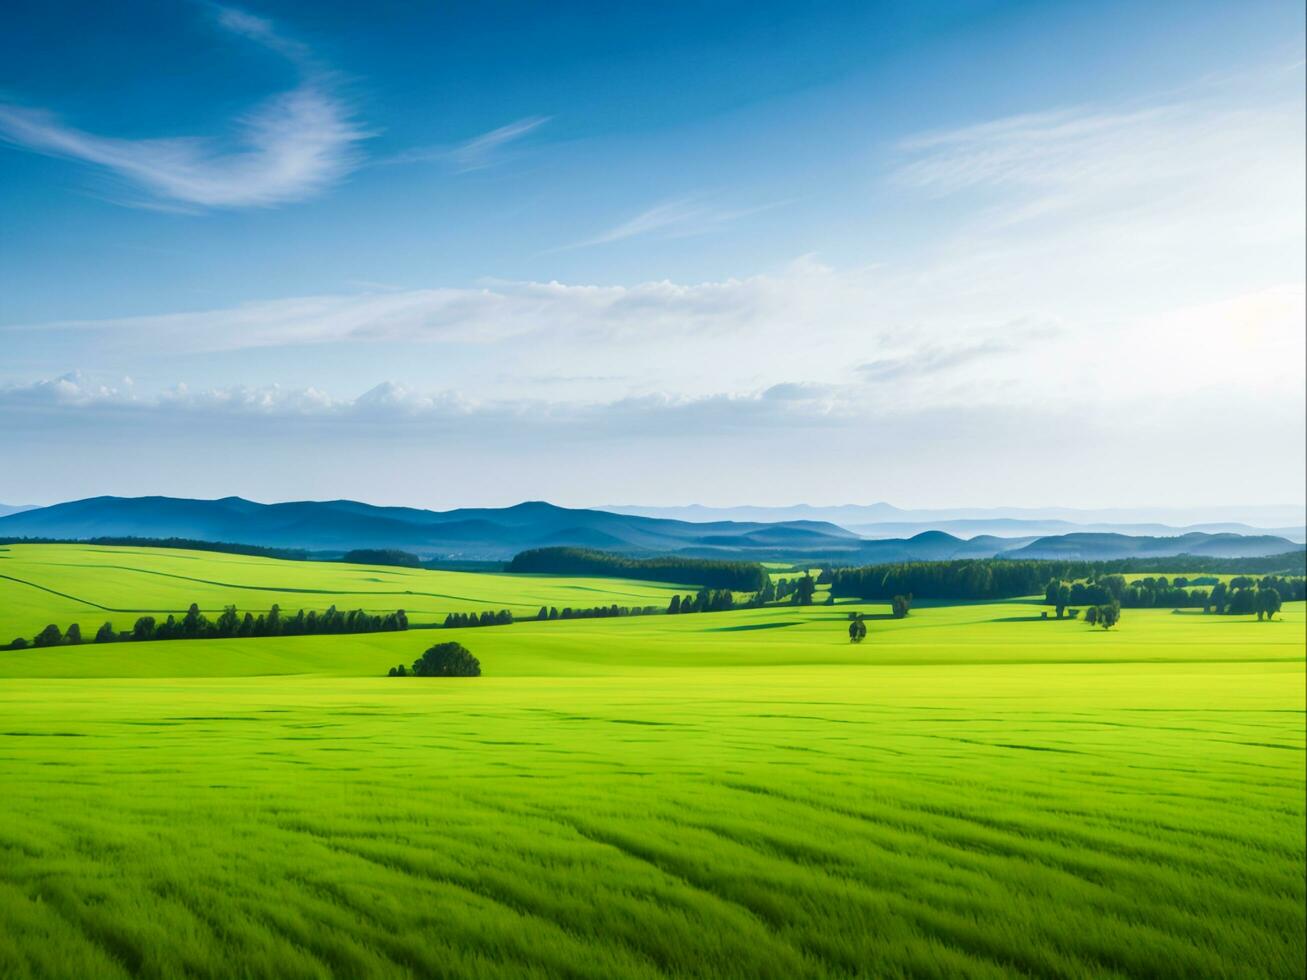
{"x":972,"y":791}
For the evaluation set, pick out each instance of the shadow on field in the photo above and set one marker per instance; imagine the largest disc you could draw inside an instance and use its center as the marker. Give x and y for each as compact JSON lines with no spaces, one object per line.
{"x":752,"y":626}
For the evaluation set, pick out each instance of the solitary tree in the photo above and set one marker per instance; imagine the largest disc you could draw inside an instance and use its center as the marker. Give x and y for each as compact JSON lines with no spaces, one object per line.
{"x":447,"y":660}
{"x":1268,"y":602}
{"x":900,"y":605}
{"x":857,"y":630}
{"x":1109,"y":615}
{"x":74,"y":634}
{"x":105,"y":634}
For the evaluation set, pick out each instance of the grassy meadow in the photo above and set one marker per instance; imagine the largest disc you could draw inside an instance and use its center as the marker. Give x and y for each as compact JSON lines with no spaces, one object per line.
{"x":973,"y":791}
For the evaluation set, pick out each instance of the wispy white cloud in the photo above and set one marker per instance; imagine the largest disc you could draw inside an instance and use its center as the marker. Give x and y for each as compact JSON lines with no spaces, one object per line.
{"x":293,"y":146}
{"x":477,"y":153}
{"x":1167,"y":165}
{"x":74,"y":395}
{"x":676,"y":218}
{"x":497,"y":311}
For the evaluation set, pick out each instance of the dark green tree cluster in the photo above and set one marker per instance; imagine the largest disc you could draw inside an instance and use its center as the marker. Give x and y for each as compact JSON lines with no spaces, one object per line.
{"x":1237,"y":597}
{"x":742,"y":576}
{"x":1006,"y":578}
{"x":804,"y":589}
{"x":484,"y":618}
{"x":382,"y":556}
{"x":799,"y":591}
{"x":441,"y":660}
{"x":706,"y":600}
{"x":1107,"y":615}
{"x":594,"y":612}
{"x":196,"y":626}
{"x":1243,"y":597}
{"x":980,"y":578}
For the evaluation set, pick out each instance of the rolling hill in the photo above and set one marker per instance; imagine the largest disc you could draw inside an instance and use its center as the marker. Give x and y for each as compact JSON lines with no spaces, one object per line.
{"x":472,"y":533}
{"x":495,"y":534}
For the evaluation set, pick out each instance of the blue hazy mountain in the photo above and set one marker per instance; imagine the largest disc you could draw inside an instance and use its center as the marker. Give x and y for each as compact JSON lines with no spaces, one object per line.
{"x":336,"y":526}
{"x":343,"y":525}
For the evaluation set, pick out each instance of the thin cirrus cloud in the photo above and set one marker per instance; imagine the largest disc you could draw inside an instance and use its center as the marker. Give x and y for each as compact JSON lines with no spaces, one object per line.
{"x":478,"y":153}
{"x":498,"y":310}
{"x":930,"y":360}
{"x":675,"y":218}
{"x":293,"y":146}
{"x":1213,"y":156}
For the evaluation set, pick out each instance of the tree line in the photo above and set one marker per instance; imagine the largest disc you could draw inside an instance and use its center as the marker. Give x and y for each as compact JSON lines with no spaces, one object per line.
{"x":798,"y":590}
{"x":967,"y":578}
{"x":1004,"y":578}
{"x":230,"y":624}
{"x":1241,"y":596}
{"x":382,"y":556}
{"x":187,"y":544}
{"x":742,"y":576}
{"x":486,"y":617}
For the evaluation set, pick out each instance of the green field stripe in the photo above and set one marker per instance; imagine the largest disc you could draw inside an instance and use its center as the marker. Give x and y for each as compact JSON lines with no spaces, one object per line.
{"x":64,"y":595}
{"x":256,"y":588}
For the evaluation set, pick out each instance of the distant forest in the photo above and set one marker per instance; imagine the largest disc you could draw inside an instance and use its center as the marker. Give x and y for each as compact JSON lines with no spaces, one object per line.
{"x":740,"y":576}
{"x":1004,"y":578}
{"x":1241,"y":596}
{"x":382,"y":556}
{"x":230,"y":624}
{"x":188,"y":544}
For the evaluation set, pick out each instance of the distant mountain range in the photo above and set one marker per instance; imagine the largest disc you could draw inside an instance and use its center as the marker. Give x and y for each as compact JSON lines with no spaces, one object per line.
{"x":471,"y":533}
{"x":882,"y":520}
{"x":6,"y":509}
{"x":336,"y":526}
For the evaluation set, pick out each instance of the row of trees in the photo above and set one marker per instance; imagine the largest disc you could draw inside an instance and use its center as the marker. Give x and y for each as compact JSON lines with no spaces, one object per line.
{"x":504,"y":617}
{"x":979,"y":578}
{"x":707,"y":600}
{"x":594,"y":612}
{"x":230,"y":624}
{"x":1005,"y":578}
{"x":1241,"y":596}
{"x":484,"y":618}
{"x":382,"y":556}
{"x":742,"y":576}
{"x":798,"y":590}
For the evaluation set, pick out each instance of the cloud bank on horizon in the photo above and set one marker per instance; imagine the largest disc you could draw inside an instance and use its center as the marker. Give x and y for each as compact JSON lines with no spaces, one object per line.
{"x":1085,"y":293}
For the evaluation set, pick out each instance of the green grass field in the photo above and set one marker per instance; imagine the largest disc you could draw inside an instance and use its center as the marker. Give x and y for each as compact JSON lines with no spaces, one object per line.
{"x":971,"y":792}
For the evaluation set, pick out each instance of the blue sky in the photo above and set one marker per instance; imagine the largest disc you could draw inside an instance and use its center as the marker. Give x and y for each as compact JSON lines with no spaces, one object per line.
{"x":744,"y":237}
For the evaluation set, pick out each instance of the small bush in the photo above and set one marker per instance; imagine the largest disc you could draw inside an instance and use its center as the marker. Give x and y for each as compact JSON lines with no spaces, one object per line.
{"x":447,"y":660}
